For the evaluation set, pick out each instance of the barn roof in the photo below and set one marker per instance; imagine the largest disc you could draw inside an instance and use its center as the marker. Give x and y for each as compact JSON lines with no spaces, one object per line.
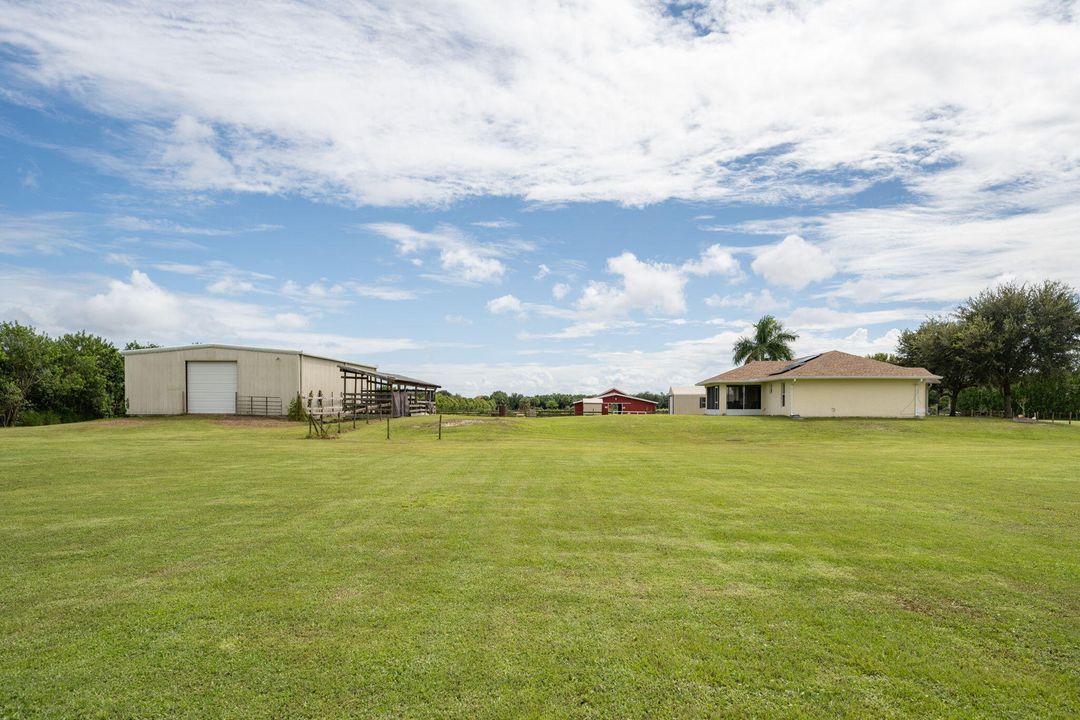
{"x":247,"y":348}
{"x":617,"y":391}
{"x":833,"y":365}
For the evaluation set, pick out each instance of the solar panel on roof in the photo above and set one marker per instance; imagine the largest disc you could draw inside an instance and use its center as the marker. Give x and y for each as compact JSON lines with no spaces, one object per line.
{"x":796,"y":363}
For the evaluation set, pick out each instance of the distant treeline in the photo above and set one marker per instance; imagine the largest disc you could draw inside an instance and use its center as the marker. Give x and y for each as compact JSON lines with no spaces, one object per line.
{"x":45,"y":380}
{"x":448,"y":402}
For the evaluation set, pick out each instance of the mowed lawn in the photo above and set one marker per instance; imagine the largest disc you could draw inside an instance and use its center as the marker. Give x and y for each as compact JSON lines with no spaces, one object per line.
{"x":631,"y":567}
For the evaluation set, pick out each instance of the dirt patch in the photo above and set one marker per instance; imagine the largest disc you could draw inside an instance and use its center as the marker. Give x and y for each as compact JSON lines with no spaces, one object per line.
{"x":462,"y":423}
{"x":115,"y":422}
{"x":249,"y":421}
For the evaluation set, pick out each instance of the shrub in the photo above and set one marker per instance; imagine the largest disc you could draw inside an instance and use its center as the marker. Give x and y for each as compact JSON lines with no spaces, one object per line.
{"x":34,"y":418}
{"x":297,"y":413}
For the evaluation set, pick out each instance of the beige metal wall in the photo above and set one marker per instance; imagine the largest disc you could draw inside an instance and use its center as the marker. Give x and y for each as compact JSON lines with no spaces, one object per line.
{"x":857,"y":398}
{"x":687,"y":404}
{"x":320,"y":374}
{"x":155,"y":383}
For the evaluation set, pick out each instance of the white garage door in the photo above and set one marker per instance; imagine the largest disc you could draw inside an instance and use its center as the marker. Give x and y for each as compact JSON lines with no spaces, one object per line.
{"x":211,"y":387}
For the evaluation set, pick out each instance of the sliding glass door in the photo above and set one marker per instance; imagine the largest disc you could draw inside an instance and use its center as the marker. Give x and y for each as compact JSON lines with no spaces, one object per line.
{"x":744,"y":399}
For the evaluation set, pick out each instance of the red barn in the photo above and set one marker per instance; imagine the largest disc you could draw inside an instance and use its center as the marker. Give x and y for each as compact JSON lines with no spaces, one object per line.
{"x":614,"y":402}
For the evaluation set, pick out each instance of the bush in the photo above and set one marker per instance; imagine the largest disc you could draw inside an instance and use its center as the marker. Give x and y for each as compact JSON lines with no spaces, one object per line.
{"x":297,"y":413}
{"x":34,"y":418}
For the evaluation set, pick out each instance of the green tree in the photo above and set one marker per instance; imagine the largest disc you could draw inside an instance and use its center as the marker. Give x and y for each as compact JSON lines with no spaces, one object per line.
{"x":88,"y":381}
{"x":1014,"y":330}
{"x":886,"y":357}
{"x":26,"y":365}
{"x":770,"y":341}
{"x":936,"y":346}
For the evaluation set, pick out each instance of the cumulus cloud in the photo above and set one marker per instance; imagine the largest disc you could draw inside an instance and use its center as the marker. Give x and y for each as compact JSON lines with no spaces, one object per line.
{"x":505,"y":304}
{"x":542,"y":271}
{"x":654,"y":288}
{"x":714,"y":260}
{"x":793,"y":263}
{"x":560,"y":290}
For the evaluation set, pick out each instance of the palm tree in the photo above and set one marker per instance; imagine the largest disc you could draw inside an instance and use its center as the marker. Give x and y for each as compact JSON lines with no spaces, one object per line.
{"x":769,"y":342}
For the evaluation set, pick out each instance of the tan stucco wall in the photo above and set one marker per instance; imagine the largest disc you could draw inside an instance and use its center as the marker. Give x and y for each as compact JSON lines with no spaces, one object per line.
{"x":155,"y":383}
{"x":686,"y":404}
{"x":857,"y":398}
{"x":770,"y":399}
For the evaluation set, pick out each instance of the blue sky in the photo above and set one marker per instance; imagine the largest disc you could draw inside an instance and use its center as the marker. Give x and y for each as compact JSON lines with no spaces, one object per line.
{"x":559,"y":197}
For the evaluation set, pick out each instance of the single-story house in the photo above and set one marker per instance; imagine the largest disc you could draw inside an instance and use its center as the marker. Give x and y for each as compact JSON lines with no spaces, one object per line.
{"x":230,"y":379}
{"x":689,"y":400}
{"x":830,"y":384}
{"x":614,"y":402}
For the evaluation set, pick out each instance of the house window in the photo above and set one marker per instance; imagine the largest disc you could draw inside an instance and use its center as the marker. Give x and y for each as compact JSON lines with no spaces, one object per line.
{"x":783,"y":394}
{"x":701,"y":402}
{"x":712,"y":395}
{"x":743,"y":397}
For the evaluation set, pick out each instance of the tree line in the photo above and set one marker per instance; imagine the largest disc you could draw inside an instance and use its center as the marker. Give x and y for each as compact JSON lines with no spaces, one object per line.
{"x":448,"y":402}
{"x":1014,"y":344}
{"x":46,"y":380}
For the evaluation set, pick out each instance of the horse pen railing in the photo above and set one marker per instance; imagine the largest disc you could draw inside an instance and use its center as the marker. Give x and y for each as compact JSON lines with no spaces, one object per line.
{"x":366,"y":395}
{"x":258,"y":405}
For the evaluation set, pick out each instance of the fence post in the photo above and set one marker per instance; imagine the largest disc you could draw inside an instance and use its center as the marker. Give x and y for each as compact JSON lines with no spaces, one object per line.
{"x":387,"y":427}
{"x":440,"y":426}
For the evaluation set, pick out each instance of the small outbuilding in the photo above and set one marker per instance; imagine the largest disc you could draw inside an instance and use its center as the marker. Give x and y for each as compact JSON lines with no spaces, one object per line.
{"x":829,"y":384}
{"x":236,"y":380}
{"x":614,"y":402}
{"x":686,"y":400}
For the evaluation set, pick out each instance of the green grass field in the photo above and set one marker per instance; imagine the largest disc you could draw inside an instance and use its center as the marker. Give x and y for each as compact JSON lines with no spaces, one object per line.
{"x":632,"y":567}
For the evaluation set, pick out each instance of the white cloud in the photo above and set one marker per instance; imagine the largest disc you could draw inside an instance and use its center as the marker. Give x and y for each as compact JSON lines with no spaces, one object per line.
{"x":760,"y":302}
{"x":170,"y":227}
{"x":714,"y":260}
{"x":395,"y":103}
{"x":461,"y":258}
{"x":140,"y":308}
{"x":45,"y":233}
{"x":230,"y":286}
{"x":457,"y":319}
{"x":542,"y":271}
{"x":30,"y":176}
{"x":499,"y":224}
{"x":793,"y":263}
{"x":381,"y":292}
{"x":654,"y":288}
{"x":180,"y":268}
{"x":826,"y":318}
{"x":560,"y":290}
{"x":505,"y":304}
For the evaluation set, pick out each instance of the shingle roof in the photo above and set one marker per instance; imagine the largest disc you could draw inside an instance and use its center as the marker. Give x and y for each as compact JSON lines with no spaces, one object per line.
{"x":753,"y":370}
{"x":832,"y":364}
